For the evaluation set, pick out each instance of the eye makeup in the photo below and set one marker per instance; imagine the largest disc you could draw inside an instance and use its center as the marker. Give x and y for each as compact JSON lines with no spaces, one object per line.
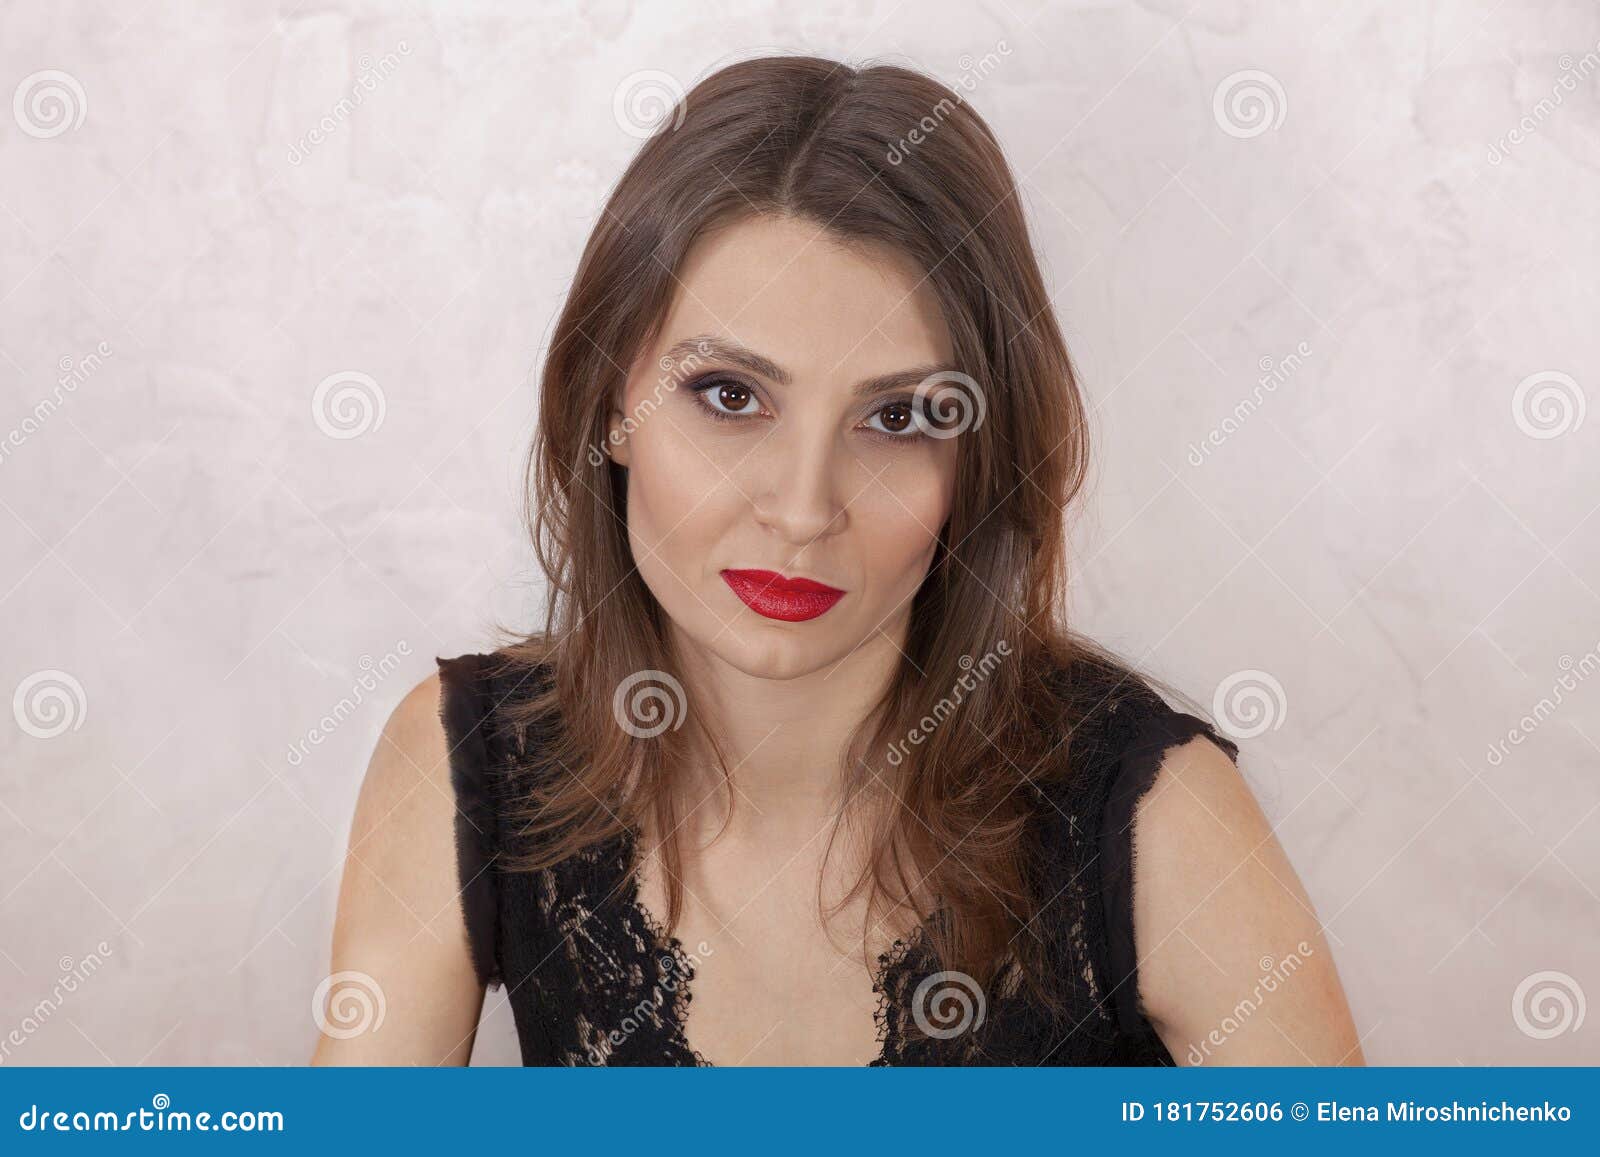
{"x":709,"y":398}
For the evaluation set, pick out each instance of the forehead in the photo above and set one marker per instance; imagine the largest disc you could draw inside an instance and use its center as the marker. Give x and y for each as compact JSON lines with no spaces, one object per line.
{"x":789,"y":289}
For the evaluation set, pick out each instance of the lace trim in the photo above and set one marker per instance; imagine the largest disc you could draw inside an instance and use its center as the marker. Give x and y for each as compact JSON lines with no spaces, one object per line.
{"x":676,"y":1012}
{"x":887,"y":984}
{"x":886,"y":980}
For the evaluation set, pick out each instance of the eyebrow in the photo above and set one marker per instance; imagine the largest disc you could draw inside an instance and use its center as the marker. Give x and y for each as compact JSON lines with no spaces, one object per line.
{"x":722,"y":349}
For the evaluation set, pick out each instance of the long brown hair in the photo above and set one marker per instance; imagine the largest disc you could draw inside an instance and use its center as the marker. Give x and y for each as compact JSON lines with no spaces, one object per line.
{"x":880,"y":155}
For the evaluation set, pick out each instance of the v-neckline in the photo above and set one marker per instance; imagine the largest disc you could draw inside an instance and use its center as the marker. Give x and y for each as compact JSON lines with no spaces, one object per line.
{"x":889,"y":961}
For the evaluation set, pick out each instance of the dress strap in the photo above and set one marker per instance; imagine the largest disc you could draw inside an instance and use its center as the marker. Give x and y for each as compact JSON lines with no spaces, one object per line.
{"x":1156,"y":730}
{"x":466,"y":710}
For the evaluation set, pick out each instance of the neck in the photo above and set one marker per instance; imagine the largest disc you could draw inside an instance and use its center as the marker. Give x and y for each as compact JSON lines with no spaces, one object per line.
{"x":783,"y":741}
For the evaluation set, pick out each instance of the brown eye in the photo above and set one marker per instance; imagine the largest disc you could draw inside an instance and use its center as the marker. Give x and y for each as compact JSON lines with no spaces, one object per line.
{"x":896,"y":422}
{"x":896,"y":417}
{"x":726,"y":399}
{"x":733,"y":396}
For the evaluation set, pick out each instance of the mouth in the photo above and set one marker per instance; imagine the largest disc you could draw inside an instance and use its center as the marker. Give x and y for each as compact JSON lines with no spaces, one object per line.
{"x":791,"y":600}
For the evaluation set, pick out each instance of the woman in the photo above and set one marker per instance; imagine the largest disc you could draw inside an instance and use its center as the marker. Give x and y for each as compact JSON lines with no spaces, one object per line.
{"x":805,"y":736}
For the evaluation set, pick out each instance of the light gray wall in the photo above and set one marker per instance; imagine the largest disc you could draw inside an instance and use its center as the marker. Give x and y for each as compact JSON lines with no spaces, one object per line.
{"x":1398,"y":546}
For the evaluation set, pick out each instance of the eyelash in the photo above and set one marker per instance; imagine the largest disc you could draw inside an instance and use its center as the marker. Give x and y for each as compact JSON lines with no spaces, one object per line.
{"x":703,"y":386}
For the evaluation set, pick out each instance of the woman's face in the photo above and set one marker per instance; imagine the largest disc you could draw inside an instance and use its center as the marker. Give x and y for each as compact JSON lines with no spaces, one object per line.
{"x":784,"y":436}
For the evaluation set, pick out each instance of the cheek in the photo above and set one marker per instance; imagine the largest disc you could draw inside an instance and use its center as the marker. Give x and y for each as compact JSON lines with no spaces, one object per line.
{"x":677,"y":497}
{"x":898,"y":520}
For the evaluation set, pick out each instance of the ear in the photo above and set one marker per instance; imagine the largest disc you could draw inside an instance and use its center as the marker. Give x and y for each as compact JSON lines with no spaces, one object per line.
{"x":617,"y":438}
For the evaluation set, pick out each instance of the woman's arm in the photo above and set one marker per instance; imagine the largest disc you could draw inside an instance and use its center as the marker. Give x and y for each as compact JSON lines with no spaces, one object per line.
{"x":400,"y":920}
{"x":1233,"y":968}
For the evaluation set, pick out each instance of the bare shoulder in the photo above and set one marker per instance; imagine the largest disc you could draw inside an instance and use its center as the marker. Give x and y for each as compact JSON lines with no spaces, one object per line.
{"x":1198,"y":792}
{"x":406,"y":796}
{"x":400,"y":934}
{"x":1233,"y":965}
{"x":411,"y":752}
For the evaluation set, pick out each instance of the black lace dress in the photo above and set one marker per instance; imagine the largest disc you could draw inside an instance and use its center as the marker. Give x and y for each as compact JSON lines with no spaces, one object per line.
{"x":593,"y":979}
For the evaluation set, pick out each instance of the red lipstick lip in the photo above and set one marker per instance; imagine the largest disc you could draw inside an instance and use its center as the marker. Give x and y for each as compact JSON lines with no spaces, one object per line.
{"x":791,"y":600}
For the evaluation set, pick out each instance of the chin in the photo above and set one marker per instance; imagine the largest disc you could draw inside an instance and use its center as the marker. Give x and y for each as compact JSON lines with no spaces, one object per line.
{"x":774,"y":652}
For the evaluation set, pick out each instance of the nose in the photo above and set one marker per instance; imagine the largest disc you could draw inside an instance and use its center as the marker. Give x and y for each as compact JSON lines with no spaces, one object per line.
{"x":799,"y":482}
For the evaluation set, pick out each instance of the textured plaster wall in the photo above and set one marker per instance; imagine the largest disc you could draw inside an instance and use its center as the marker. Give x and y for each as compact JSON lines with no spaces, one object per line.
{"x":1339,"y":334}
